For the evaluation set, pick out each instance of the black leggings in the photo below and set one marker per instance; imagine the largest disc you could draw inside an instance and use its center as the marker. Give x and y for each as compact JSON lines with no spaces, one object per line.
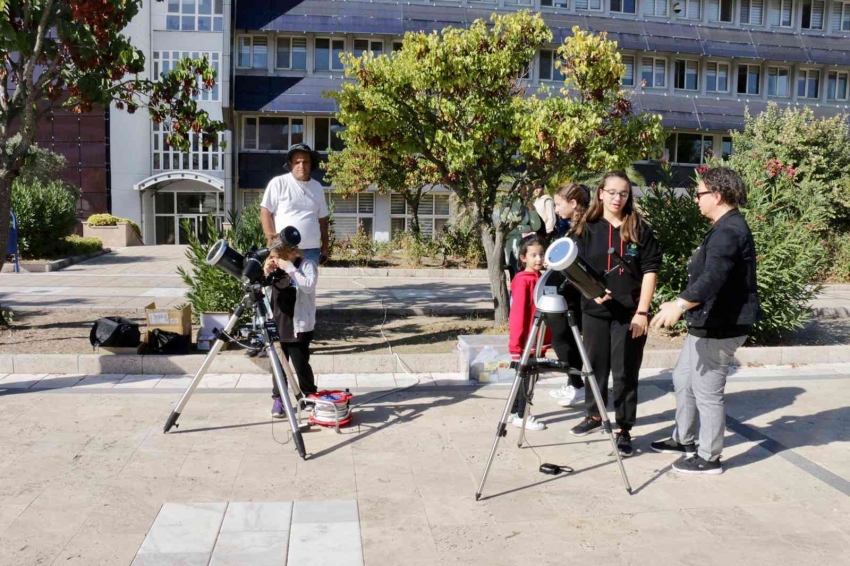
{"x":564,"y":344}
{"x":612,"y":350}
{"x":299,"y":354}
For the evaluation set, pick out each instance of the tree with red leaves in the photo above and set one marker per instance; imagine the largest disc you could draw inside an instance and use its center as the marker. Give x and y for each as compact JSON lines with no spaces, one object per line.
{"x":72,"y":53}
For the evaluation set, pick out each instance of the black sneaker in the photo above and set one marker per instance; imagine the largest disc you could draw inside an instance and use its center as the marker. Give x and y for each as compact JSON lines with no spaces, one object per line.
{"x":624,"y":444}
{"x":696,"y":465}
{"x":586,"y":426}
{"x":670,"y":446}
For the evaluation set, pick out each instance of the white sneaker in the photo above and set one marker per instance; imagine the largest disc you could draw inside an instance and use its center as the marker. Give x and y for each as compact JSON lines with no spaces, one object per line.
{"x":563,"y":392}
{"x":572,"y":398}
{"x":530,"y":424}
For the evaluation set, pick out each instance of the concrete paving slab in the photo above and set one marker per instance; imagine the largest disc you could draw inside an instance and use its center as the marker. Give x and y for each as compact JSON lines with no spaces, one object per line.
{"x":257,"y":517}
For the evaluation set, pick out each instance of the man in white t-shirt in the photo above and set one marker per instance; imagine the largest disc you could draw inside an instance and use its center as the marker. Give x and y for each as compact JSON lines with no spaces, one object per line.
{"x":294,"y":199}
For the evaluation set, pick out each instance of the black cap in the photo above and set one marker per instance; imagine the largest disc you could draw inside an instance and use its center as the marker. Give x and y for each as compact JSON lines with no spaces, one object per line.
{"x":303,"y":147}
{"x":291,"y":236}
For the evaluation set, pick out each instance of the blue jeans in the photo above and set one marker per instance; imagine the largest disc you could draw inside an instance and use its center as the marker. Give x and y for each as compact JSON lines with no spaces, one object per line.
{"x":312,"y":254}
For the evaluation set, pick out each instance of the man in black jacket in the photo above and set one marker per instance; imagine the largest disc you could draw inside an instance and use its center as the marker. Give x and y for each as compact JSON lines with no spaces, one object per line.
{"x":720,"y":305}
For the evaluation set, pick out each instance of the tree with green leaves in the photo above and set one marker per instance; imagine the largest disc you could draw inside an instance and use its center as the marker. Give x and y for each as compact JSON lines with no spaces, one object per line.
{"x":357,"y":167}
{"x":72,"y":53}
{"x":458,"y":100}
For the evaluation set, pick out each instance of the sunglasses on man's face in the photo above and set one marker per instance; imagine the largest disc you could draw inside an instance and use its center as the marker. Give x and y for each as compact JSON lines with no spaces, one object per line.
{"x":702,"y":194}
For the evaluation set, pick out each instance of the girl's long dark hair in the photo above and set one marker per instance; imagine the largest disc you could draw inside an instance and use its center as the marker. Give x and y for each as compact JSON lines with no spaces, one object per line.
{"x":578,"y":193}
{"x":630,"y":230}
{"x":533,"y":240}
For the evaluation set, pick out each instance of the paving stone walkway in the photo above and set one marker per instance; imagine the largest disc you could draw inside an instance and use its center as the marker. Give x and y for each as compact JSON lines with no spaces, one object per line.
{"x":87,"y":478}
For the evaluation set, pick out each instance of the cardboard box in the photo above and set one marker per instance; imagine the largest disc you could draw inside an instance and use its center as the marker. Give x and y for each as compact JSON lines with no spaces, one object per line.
{"x":171,"y":320}
{"x":118,"y":351}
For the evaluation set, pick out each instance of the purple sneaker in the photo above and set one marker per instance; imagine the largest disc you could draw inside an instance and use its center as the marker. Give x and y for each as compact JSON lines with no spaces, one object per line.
{"x":277,"y":410}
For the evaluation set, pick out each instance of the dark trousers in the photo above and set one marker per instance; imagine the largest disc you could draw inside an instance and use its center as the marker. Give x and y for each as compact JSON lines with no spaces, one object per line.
{"x":564,"y":344}
{"x":612,"y":350}
{"x":299,"y":354}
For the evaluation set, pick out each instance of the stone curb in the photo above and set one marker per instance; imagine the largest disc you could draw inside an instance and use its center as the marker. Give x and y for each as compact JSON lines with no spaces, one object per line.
{"x":363,"y":363}
{"x":49,"y":266}
{"x":434,"y":273}
{"x":181,"y":365}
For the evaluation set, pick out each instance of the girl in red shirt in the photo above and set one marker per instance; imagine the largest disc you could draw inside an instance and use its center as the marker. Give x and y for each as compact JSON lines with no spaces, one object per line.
{"x":522,"y":317}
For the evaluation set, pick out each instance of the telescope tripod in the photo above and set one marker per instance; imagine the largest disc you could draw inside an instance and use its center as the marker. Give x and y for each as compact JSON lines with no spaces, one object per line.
{"x":254,"y":298}
{"x":528,"y":368}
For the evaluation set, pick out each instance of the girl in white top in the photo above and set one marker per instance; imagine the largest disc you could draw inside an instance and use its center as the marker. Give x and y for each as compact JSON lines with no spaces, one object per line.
{"x":295,"y":321}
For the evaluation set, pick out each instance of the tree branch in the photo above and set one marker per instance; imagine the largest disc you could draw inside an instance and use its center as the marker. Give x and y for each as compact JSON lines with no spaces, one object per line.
{"x":41,"y":32}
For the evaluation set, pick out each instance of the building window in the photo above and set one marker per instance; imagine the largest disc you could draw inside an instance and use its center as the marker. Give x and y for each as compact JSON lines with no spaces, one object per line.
{"x":327,"y":54}
{"x":327,"y":135}
{"x":812,"y":16}
{"x":198,"y":158}
{"x":352,"y":212}
{"x":836,"y":85}
{"x":655,"y":8}
{"x":654,"y":72}
{"x":752,"y":12}
{"x":518,"y":2}
{"x":779,"y":81}
{"x":250,"y":197}
{"x":749,"y":77}
{"x":726,"y":147}
{"x":629,"y":73}
{"x":291,"y":53}
{"x":689,"y":149}
{"x":252,"y":52}
{"x":717,"y":77}
{"x":548,"y":70}
{"x":172,"y":210}
{"x":588,"y":5}
{"x":195,"y":15}
{"x":363,"y":45}
{"x":720,"y":10}
{"x":434,"y":212}
{"x":554,"y":4}
{"x":844,"y":13}
{"x":166,"y":61}
{"x":780,"y":13}
{"x":686,"y":75}
{"x":624,"y":6}
{"x":397,"y":45}
{"x":808,"y":83}
{"x":271,"y":133}
{"x":691,"y":9}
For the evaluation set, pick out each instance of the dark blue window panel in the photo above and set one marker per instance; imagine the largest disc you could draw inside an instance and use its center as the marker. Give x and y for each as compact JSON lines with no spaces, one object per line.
{"x":631,"y":41}
{"x":679,"y":121}
{"x":618,"y":25}
{"x":780,"y":39}
{"x":257,"y":169}
{"x":777,"y":53}
{"x":674,"y":45}
{"x":830,"y":57}
{"x":721,"y":49}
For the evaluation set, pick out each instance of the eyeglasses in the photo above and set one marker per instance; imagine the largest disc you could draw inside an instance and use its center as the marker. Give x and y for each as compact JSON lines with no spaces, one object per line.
{"x":703,"y":193}
{"x":612,"y":193}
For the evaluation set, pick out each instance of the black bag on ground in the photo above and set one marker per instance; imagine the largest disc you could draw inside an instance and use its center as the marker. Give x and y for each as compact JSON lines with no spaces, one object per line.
{"x":164,"y":342}
{"x":115,"y":332}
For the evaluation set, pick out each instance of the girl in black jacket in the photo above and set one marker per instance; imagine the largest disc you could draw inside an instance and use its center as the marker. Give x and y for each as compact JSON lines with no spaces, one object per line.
{"x":615,"y":326}
{"x":571,"y":202}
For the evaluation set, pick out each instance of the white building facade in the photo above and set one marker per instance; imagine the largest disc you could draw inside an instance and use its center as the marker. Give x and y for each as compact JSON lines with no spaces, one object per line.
{"x":152,"y":184}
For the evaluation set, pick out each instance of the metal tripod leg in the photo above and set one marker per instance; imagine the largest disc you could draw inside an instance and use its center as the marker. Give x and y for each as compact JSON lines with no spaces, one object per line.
{"x":532,"y":382}
{"x":522,"y":369}
{"x":216,"y":347}
{"x":590,"y":381}
{"x":278,"y":373}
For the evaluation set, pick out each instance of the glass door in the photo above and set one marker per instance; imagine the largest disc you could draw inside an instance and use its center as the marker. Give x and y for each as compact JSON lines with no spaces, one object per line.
{"x":183,"y":240}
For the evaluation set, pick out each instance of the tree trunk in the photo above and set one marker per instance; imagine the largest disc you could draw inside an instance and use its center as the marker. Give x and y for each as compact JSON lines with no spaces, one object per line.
{"x":494,"y":252}
{"x":414,"y":223}
{"x":6,"y":178}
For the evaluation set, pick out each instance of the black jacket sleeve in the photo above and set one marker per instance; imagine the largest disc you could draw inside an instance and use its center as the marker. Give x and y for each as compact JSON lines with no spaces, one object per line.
{"x":651,"y":254}
{"x":721,"y":250}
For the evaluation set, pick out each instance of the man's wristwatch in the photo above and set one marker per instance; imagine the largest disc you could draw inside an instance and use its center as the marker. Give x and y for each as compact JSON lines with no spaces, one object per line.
{"x":681,"y":304}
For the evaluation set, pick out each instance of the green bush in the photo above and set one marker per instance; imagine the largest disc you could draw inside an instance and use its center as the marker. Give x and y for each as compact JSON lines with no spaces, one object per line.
{"x":415,"y":247}
{"x":77,"y":245}
{"x":109,"y":220}
{"x":46,"y":213}
{"x":211,"y":289}
{"x":461,"y":240}
{"x":677,"y":223}
{"x":839,"y":265}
